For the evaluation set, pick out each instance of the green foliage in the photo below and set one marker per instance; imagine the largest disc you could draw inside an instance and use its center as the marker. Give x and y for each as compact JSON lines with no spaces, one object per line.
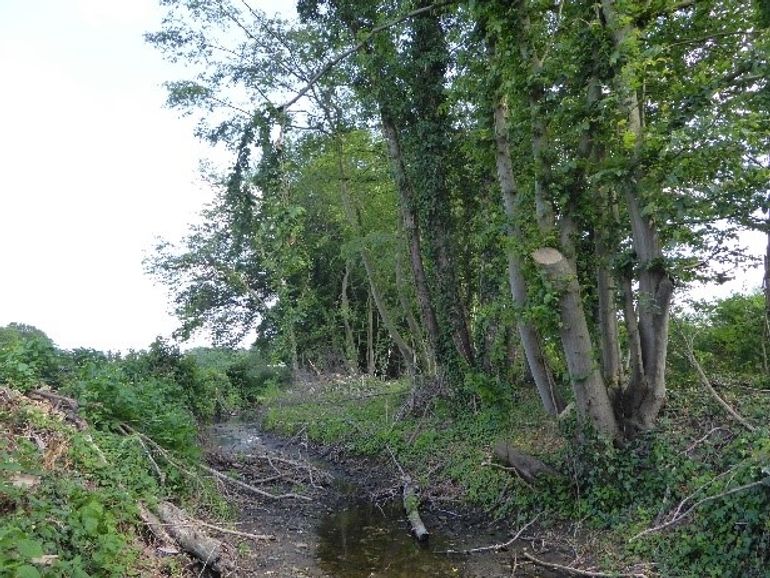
{"x":27,"y":357}
{"x":111,"y":393}
{"x":79,"y":511}
{"x":729,"y":332}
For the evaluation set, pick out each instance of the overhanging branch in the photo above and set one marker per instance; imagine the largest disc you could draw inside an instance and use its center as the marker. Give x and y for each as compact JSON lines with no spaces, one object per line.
{"x":352,"y":50}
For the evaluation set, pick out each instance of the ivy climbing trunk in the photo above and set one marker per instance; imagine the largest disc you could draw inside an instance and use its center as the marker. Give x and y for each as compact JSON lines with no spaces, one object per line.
{"x":351,"y":353}
{"x":430,"y":156}
{"x":530,"y":338}
{"x":412,"y":231}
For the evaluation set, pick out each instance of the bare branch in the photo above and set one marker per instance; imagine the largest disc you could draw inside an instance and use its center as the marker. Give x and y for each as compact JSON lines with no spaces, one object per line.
{"x":343,"y":55}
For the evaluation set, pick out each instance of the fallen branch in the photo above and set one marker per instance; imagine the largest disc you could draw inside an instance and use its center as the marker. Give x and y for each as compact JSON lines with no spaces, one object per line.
{"x":527,"y":467}
{"x":67,"y":405}
{"x":690,"y":355}
{"x":249,"y":487}
{"x":411,"y":507}
{"x":157,"y":529}
{"x":678,"y":517}
{"x":216,"y":473}
{"x":570,"y":571}
{"x":494,"y":547}
{"x":208,"y":550}
{"x":255,"y":537}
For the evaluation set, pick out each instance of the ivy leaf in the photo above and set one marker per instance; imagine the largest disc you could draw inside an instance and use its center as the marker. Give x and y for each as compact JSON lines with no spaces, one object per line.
{"x":27,"y":571}
{"x":29,"y":548}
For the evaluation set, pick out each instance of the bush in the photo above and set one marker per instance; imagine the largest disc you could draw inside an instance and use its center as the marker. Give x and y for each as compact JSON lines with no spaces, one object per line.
{"x":27,"y":357}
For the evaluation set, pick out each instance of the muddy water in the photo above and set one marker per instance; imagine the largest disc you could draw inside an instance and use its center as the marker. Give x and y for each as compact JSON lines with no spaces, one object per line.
{"x":363,"y":540}
{"x":354,"y":538}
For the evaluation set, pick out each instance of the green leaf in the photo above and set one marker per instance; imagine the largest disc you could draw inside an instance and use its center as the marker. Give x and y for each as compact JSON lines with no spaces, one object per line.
{"x":29,"y":548}
{"x":27,"y":571}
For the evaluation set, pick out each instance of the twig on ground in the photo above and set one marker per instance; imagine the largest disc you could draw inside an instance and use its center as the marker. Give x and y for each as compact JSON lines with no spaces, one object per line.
{"x":249,"y":487}
{"x":678,"y":517}
{"x":571,"y":571}
{"x":494,"y":547}
{"x":255,"y":537}
{"x":703,"y":378}
{"x":699,"y":441}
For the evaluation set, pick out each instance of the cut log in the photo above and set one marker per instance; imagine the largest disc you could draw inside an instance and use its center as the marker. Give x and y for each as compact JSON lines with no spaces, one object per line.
{"x":165,"y":542}
{"x":411,"y":507}
{"x":209,"y":551}
{"x":526,"y":466}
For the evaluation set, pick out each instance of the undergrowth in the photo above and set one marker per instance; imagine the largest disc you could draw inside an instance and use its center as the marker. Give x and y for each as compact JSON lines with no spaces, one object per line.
{"x":614,"y":493}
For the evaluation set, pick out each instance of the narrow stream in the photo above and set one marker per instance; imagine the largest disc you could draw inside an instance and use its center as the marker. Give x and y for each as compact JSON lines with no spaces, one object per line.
{"x":355,"y":538}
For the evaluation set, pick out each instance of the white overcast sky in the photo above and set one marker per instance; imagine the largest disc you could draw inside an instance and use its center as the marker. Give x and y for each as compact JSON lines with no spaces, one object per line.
{"x":93,"y":168}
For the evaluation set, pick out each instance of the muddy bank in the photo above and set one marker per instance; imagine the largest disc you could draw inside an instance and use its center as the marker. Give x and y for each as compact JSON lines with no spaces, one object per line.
{"x":352,"y":525}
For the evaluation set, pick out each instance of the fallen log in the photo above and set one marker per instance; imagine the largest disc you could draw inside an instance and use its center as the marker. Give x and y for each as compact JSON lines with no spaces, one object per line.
{"x":411,"y":507}
{"x":526,"y":466}
{"x":209,"y":551}
{"x":166,"y":543}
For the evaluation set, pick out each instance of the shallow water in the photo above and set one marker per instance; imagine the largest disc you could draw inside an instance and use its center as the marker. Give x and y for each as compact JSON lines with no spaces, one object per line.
{"x":356,"y":539}
{"x":362,"y":540}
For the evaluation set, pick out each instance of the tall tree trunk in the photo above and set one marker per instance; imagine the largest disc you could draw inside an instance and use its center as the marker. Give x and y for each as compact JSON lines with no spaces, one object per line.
{"x":414,"y":327}
{"x":529,"y":335}
{"x":431,"y":144}
{"x":560,"y":267}
{"x":412,"y":230}
{"x":351,"y":353}
{"x":370,"y":367}
{"x":766,"y":288}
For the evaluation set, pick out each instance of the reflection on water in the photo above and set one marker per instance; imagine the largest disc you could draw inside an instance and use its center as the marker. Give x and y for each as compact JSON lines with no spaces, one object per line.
{"x":359,"y":541}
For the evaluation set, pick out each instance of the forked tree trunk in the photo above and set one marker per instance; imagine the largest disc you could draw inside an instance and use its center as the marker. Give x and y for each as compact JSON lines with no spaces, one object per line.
{"x":530,"y":338}
{"x":591,"y":394}
{"x":645,"y":393}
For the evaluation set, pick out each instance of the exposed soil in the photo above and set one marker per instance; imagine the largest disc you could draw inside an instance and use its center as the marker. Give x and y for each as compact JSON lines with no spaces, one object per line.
{"x":352,"y":525}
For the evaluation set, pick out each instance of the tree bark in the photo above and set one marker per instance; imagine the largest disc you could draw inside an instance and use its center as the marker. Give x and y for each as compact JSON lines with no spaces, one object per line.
{"x":207,"y":550}
{"x":526,"y":466}
{"x":351,"y":353}
{"x":412,"y":230}
{"x":591,"y":394}
{"x":529,"y":335}
{"x":644,"y":397}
